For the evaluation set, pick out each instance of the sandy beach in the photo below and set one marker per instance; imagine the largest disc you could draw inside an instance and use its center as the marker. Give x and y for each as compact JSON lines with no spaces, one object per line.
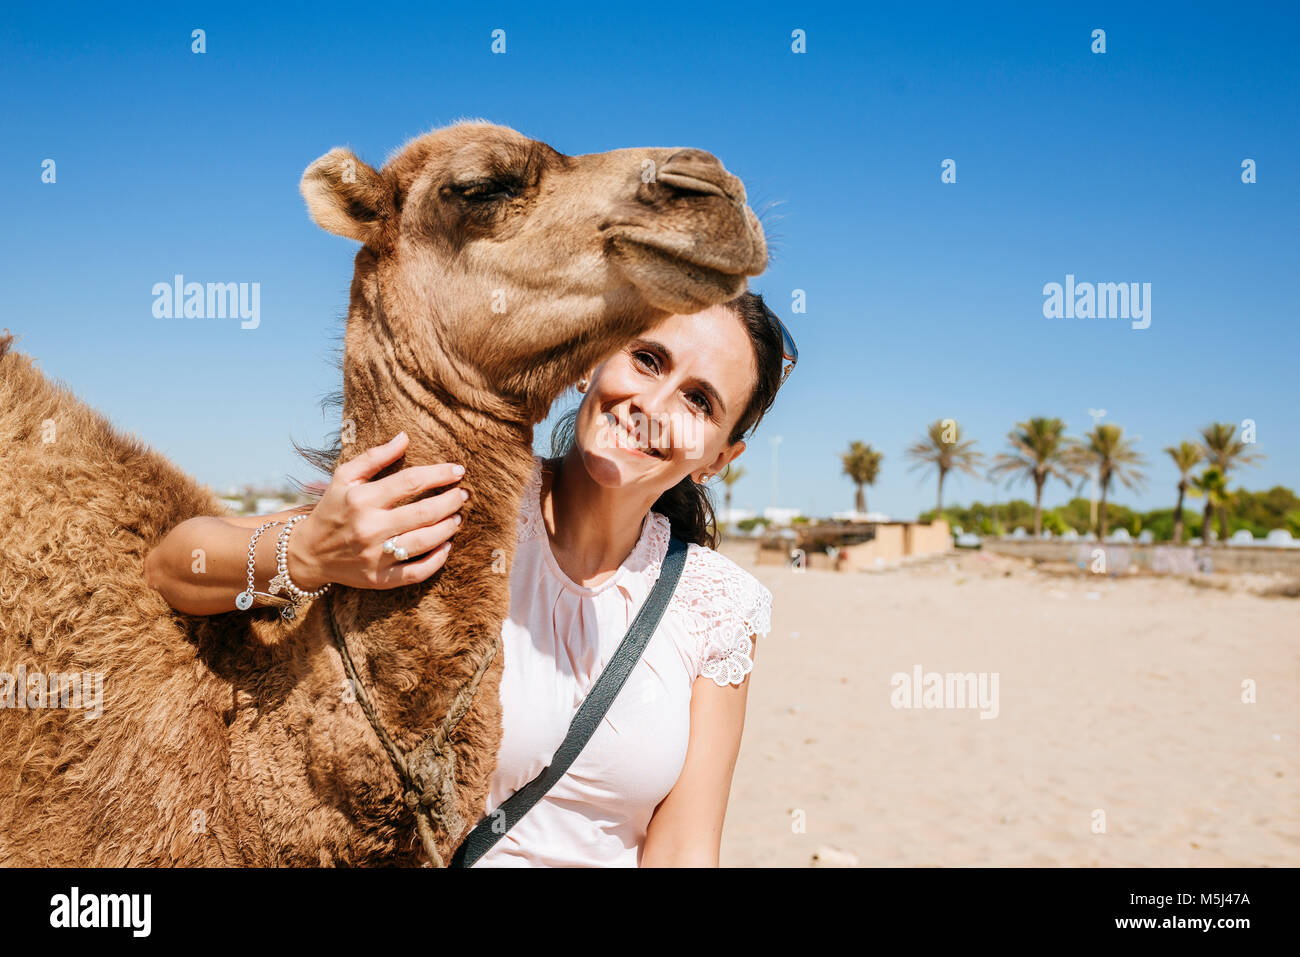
{"x":1121,"y":737}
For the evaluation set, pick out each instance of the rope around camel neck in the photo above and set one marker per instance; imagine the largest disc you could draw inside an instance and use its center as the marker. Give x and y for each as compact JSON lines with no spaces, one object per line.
{"x":427,"y":771}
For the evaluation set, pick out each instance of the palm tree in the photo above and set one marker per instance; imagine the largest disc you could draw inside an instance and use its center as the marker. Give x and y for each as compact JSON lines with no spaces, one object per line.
{"x":1213,"y":485}
{"x":1225,"y":451}
{"x":1038,"y":452}
{"x":943,"y":449}
{"x":1186,"y":456}
{"x":730,"y":476}
{"x":862,"y":464}
{"x":1113,"y":456}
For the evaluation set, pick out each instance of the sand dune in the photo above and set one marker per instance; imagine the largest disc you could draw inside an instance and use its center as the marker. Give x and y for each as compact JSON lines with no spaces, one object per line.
{"x":1120,"y":698}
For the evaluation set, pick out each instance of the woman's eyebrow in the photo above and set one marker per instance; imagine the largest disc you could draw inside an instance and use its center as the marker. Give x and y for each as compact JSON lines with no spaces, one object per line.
{"x":704,"y":384}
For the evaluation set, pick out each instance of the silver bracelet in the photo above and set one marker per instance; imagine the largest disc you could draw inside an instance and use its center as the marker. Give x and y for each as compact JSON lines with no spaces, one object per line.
{"x":244,"y":600}
{"x":282,"y":582}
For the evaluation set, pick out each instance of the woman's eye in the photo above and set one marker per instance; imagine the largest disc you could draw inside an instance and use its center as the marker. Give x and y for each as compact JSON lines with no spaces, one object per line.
{"x":699,"y":399}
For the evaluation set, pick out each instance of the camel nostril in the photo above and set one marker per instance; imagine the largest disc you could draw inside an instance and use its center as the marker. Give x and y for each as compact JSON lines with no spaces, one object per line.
{"x":700,"y":173}
{"x":693,"y":156}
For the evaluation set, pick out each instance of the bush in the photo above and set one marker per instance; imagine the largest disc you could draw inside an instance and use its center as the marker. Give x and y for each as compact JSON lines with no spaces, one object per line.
{"x":1052,"y":522}
{"x":1160,"y":524}
{"x":1258,"y":512}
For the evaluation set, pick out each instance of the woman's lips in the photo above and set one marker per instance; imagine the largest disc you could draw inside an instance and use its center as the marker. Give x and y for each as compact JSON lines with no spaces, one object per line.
{"x":624,"y":441}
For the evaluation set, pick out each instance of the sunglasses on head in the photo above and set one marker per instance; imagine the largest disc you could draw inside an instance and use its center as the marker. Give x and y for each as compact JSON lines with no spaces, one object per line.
{"x":789,"y":353}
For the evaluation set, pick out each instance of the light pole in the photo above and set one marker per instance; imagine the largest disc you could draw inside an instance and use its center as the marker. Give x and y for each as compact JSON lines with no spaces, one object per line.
{"x":776,"y":444}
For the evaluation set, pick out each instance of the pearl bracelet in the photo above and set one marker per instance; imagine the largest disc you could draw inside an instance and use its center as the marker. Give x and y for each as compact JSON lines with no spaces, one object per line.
{"x":282,"y":582}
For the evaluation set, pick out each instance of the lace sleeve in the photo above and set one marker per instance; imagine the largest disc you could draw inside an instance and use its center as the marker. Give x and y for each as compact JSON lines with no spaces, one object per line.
{"x":728,"y":604}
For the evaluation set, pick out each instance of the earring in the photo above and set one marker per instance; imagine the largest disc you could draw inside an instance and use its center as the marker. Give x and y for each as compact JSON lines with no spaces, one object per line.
{"x":704,"y":478}
{"x":582,"y":384}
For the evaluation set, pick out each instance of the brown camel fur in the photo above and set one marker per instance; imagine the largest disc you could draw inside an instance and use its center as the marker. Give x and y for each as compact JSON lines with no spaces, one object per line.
{"x":506,"y":270}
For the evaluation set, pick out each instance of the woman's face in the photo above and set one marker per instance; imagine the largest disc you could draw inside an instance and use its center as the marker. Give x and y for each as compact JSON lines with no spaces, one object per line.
{"x":664,"y":406}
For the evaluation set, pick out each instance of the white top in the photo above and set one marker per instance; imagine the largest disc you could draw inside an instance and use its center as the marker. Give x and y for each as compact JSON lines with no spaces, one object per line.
{"x":557,"y":640}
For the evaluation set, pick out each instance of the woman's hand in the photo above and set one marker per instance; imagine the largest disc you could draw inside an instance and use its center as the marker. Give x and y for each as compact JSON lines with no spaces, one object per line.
{"x":342,"y":540}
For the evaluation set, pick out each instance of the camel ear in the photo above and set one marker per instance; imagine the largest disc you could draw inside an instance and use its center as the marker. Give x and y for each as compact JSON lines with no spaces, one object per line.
{"x":346,"y":196}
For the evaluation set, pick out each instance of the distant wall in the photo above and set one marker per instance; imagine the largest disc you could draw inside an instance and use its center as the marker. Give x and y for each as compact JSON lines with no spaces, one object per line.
{"x":1179,"y":559}
{"x":889,"y":545}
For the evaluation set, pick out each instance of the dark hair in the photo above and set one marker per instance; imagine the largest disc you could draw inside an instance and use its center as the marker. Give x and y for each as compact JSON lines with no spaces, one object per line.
{"x":688,"y":504}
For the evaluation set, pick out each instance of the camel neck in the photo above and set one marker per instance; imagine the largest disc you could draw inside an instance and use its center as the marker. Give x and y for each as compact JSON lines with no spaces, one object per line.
{"x":398,"y":635}
{"x":437,"y":380}
{"x":440,"y":629}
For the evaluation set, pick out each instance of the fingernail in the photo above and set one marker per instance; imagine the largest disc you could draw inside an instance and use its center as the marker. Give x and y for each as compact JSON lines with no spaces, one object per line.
{"x":464,"y":493}
{"x":458,"y":469}
{"x":399,"y":435}
{"x":457,"y":522}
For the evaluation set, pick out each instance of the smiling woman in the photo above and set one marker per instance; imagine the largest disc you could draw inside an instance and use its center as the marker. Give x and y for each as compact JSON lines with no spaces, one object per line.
{"x":656,"y":421}
{"x":716,"y":374}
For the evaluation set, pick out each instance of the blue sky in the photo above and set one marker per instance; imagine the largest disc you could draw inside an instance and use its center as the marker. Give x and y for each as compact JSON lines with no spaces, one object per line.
{"x":924,"y":298}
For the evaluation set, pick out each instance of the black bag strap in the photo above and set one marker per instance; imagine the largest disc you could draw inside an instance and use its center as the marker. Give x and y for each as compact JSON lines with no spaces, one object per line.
{"x":590,"y":712}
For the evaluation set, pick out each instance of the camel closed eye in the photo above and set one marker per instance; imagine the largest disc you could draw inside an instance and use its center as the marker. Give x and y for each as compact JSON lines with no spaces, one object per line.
{"x":488,"y":190}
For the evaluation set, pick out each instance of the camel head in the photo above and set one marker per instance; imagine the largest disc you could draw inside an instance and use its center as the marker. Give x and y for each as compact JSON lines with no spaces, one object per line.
{"x":495,"y":270}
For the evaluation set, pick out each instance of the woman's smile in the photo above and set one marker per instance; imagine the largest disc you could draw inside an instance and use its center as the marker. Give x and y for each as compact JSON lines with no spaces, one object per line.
{"x":623,"y":439}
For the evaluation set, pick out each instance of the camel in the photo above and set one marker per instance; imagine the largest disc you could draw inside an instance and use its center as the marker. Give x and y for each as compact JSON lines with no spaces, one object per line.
{"x":493,"y":272}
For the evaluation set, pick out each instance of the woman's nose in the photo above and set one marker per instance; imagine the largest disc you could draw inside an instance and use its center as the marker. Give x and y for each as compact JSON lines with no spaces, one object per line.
{"x":648,"y":425}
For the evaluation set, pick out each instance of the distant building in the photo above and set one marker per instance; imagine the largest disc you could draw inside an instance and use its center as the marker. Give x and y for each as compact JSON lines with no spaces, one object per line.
{"x":1277,"y":538}
{"x":781,"y":516}
{"x":855,"y":547}
{"x":855,"y":516}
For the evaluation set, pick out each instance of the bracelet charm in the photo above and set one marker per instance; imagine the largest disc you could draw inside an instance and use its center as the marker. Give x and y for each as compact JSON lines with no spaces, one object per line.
{"x":244,"y":600}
